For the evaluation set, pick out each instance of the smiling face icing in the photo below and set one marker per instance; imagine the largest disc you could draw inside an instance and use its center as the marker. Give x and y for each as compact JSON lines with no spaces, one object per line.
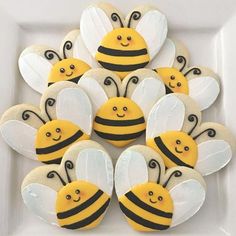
{"x":176,"y":148}
{"x":174,"y":80}
{"x":148,"y":207}
{"x":67,"y":69}
{"x":54,"y":138}
{"x":123,"y":50}
{"x":80,"y":205}
{"x":119,"y":121}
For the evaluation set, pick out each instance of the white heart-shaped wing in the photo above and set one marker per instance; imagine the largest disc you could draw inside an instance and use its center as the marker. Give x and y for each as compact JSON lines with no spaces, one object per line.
{"x":41,"y":200}
{"x":204,"y":90}
{"x":147,"y":93}
{"x":153,"y":28}
{"x":20,"y":136}
{"x":35,"y":70}
{"x":74,"y":105}
{"x":131,"y":169}
{"x":188,"y":197}
{"x":94,"y":25}
{"x":166,"y":115}
{"x":212,"y":156}
{"x":95,"y":166}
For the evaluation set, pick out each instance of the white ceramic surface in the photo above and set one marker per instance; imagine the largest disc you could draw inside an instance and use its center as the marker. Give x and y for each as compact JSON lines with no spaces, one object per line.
{"x":208,"y":30}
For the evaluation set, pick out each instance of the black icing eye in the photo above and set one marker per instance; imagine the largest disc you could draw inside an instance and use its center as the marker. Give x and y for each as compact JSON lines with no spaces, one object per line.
{"x":68,"y":197}
{"x":125,"y":108}
{"x":172,"y":77}
{"x":48,"y":134}
{"x":114,"y":108}
{"x":186,"y":148}
{"x":160,"y":198}
{"x":129,"y":38}
{"x":178,"y":141}
{"x":58,"y":130}
{"x":77,"y":191}
{"x":178,"y":84}
{"x":62,"y":70}
{"x":150,"y":193}
{"x":119,"y":37}
{"x":72,"y":67}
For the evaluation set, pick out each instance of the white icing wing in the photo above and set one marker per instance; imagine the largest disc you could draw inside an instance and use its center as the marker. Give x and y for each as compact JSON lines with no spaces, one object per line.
{"x":188,"y":197}
{"x":95,"y":92}
{"x":147,"y":93}
{"x":95,"y":166}
{"x":212,"y":156}
{"x":204,"y":90}
{"x":153,"y":28}
{"x":20,"y":136}
{"x":81,"y":52}
{"x":166,"y":56}
{"x":35,"y":70}
{"x":41,"y":200}
{"x":166,"y":115}
{"x":74,"y":105}
{"x":131,"y":169}
{"x":94,"y":25}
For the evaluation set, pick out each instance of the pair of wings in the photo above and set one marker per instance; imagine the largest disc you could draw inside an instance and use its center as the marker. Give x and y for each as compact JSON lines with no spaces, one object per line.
{"x":145,"y":94}
{"x":152,"y":26}
{"x":168,"y":114}
{"x":91,"y":165}
{"x":188,"y":196}
{"x":72,"y":104}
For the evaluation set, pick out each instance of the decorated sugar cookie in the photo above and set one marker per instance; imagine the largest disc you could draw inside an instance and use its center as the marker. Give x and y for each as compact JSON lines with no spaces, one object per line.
{"x":172,"y":65}
{"x":121,"y":108}
{"x":152,"y":199}
{"x":175,"y":131}
{"x":123,"y":45}
{"x":41,"y":66}
{"x":45,"y":133}
{"x":76,"y":193}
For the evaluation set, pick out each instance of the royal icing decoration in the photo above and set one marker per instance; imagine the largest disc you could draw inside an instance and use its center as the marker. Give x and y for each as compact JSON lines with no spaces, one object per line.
{"x":76,"y":194}
{"x":65,"y":118}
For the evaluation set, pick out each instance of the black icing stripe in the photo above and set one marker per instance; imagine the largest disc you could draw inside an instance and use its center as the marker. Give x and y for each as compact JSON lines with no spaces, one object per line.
{"x":133,"y":198}
{"x":168,"y":90}
{"x":60,"y":145}
{"x":139,"y":220}
{"x":103,"y":121}
{"x":117,"y":67}
{"x":53,"y":161}
{"x":119,"y":137}
{"x":122,"y":53}
{"x":84,"y":205}
{"x":90,"y":219}
{"x":75,"y":80}
{"x":168,"y":153}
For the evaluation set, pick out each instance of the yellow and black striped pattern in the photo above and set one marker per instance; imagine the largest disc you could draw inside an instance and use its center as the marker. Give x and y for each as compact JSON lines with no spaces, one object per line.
{"x":54,"y":138}
{"x":81,"y":205}
{"x":147,"y":207}
{"x":123,"y":50}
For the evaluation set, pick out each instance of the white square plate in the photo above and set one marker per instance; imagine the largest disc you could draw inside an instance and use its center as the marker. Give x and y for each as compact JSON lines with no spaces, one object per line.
{"x":208,"y":30}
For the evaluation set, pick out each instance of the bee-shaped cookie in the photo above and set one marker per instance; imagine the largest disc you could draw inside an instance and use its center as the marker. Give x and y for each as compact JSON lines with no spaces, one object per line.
{"x":45,"y":133}
{"x":76,"y":193}
{"x":172,"y":65}
{"x":41,"y":66}
{"x":123,"y":45}
{"x":175,"y":131}
{"x":152,"y":199}
{"x":121,"y":108}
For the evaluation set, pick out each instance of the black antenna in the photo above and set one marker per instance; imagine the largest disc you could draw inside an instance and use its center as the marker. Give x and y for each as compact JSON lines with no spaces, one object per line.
{"x":108,"y":80}
{"x":26,"y":116}
{"x":50,"y":54}
{"x":210,"y":132}
{"x":196,"y":71}
{"x":176,"y":173}
{"x":193,"y":118}
{"x":66,"y":47}
{"x":135,"y":15}
{"x":153,"y":164}
{"x":134,"y":80}
{"x":49,"y":102}
{"x":115,"y":17}
{"x":181,"y":60}
{"x":51,"y":175}
{"x":68,"y":166}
